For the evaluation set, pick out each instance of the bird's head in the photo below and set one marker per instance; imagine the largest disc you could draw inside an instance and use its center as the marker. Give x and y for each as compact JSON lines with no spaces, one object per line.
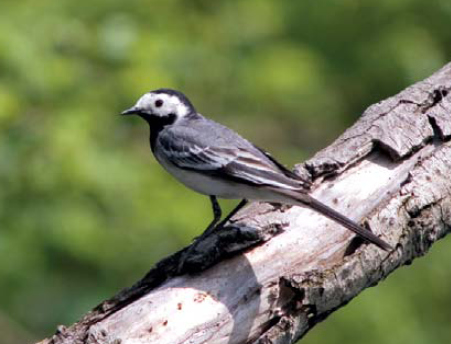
{"x":162,"y":104}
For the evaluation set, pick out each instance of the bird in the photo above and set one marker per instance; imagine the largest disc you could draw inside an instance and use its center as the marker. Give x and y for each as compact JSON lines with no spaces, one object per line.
{"x":216,"y":161}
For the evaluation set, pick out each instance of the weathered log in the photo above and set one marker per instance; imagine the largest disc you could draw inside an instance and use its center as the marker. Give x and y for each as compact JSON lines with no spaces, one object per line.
{"x":276,"y":271}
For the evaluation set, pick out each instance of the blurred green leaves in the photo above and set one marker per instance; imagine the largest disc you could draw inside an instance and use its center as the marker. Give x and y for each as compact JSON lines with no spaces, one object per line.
{"x":84,"y":208}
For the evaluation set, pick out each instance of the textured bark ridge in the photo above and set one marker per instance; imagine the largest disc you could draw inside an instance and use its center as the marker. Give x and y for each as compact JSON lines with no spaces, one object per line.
{"x":274,"y":272}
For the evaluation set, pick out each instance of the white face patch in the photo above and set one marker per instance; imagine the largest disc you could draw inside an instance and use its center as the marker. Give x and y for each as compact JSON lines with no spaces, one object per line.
{"x":161,"y":104}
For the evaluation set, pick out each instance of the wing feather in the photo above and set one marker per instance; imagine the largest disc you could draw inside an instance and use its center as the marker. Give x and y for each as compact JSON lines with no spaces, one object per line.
{"x":247,"y":165}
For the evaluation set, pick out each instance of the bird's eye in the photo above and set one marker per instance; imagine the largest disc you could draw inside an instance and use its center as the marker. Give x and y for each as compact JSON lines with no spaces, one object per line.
{"x":158,"y":103}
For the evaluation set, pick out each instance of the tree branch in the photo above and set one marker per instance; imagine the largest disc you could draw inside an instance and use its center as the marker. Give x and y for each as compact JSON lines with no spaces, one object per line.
{"x":276,"y":271}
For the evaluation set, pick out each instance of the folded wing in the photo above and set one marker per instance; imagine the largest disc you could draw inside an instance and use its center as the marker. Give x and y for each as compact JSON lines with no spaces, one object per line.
{"x":243,"y":163}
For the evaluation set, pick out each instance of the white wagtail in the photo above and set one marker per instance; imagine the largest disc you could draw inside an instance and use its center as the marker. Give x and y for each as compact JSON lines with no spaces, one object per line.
{"x":215,"y":161}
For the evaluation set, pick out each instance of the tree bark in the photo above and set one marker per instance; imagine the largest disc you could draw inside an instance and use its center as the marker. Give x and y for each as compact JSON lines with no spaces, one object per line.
{"x":275,"y":271}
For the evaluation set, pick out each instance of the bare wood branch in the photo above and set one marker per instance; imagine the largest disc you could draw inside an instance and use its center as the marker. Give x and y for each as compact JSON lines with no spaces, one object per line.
{"x":275,"y":272}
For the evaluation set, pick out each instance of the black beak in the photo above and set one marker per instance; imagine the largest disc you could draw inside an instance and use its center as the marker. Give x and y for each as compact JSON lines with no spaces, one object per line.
{"x":132,"y":111}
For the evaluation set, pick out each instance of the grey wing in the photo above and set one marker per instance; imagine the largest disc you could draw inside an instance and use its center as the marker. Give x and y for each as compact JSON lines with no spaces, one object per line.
{"x":239,"y":162}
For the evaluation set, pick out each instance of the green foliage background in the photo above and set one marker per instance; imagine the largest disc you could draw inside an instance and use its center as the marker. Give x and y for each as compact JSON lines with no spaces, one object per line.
{"x":84,"y":208}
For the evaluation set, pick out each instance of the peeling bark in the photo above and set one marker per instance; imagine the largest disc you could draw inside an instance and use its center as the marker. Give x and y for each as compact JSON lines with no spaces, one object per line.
{"x":276,"y":271}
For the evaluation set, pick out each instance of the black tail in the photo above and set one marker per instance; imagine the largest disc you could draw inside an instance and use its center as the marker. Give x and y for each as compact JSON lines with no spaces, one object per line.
{"x":342,"y":220}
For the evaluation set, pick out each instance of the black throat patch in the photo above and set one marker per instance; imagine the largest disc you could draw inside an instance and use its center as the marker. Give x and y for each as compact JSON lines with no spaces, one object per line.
{"x":157,"y":124}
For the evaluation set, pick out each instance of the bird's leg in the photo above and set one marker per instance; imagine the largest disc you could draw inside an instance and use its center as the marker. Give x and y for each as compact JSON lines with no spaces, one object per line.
{"x":214,"y":225}
{"x":211,"y":227}
{"x":240,"y":205}
{"x":216,"y":217}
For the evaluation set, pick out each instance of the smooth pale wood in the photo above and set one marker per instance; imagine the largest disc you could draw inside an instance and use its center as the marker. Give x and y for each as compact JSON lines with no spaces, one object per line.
{"x":279,"y":270}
